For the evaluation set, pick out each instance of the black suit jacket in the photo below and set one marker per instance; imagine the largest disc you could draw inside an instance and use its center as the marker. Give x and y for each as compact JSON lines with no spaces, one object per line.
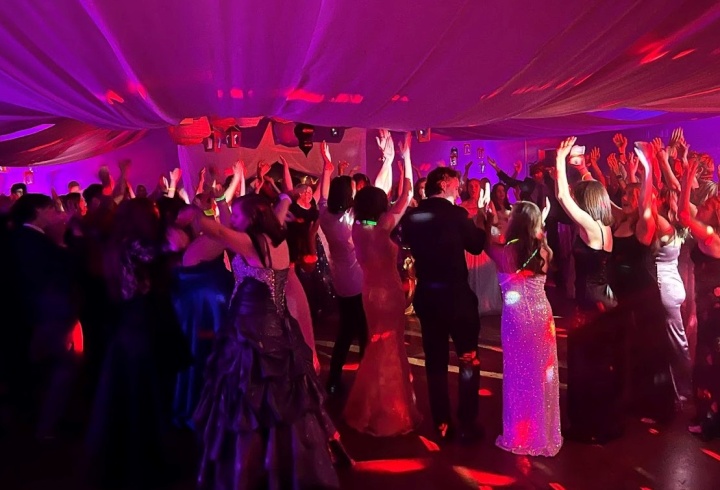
{"x":438,"y":234}
{"x":46,"y":293}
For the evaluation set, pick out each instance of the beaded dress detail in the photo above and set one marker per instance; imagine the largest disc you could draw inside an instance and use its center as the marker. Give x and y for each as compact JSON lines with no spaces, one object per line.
{"x":531,"y":380}
{"x":260,"y":415}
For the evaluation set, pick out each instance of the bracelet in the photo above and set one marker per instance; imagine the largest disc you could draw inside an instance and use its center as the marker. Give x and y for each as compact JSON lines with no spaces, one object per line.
{"x":209,"y":212}
{"x":220,"y":199}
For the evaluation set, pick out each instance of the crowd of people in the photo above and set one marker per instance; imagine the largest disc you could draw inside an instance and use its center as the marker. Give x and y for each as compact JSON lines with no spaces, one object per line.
{"x":196,"y":307}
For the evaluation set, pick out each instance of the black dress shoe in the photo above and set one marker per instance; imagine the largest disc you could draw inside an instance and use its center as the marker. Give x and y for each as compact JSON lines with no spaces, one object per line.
{"x":468,"y":435}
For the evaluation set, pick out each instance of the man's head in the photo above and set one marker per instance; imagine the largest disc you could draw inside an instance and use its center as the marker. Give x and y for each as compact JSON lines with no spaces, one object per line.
{"x":93,"y":196}
{"x":141,"y":191}
{"x":537,"y":172}
{"x":361,"y":180}
{"x":17,"y":191}
{"x":35,"y":209}
{"x":443,"y":182}
{"x":74,"y":187}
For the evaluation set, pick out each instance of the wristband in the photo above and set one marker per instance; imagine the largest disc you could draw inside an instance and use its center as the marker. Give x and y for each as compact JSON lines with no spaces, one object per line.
{"x":220,"y":199}
{"x":284,"y":196}
{"x":209,"y":213}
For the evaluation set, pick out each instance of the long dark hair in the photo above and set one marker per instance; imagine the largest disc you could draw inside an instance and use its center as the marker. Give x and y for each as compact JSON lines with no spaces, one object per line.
{"x":522,"y":235}
{"x":261,"y":221}
{"x":500,"y":205}
{"x":135,"y":244}
{"x":370,"y":203}
{"x":340,"y":196}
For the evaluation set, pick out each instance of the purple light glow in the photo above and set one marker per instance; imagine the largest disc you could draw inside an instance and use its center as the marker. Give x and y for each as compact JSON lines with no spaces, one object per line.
{"x":24,"y":132}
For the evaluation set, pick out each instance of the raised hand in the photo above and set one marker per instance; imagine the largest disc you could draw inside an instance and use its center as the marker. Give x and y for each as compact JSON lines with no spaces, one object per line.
{"x":385,"y":143}
{"x":328,"y":166}
{"x":518,"y":165}
{"x":238,"y":168}
{"x":492,"y":163}
{"x":676,"y":136}
{"x":642,"y":151}
{"x":546,"y":210}
{"x":164,"y":183}
{"x":282,"y":160}
{"x":424,"y":168}
{"x":342,"y":167}
{"x":594,"y":155}
{"x":325,"y":152}
{"x":564,"y":148}
{"x":124,"y":165}
{"x":468,"y":165}
{"x":683,"y":149}
{"x":632,"y":164}
{"x":264,"y":167}
{"x":613,"y":164}
{"x":657,"y":145}
{"x":620,"y":142}
{"x":404,"y":146}
{"x":175,"y":175}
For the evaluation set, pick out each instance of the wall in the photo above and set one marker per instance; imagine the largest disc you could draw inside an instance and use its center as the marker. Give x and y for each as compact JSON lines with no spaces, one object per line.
{"x":702,"y":136}
{"x":152,"y":156}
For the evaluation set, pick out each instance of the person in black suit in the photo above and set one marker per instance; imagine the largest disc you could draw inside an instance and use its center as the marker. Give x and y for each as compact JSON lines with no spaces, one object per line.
{"x":45,"y":308}
{"x":438,"y":233}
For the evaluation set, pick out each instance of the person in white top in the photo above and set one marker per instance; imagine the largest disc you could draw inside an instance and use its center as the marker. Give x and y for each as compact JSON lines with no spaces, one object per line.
{"x":336,"y":222}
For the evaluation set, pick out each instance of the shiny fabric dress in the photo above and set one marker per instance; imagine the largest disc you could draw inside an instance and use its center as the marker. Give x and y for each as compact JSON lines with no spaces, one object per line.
{"x":260,"y":417}
{"x":706,"y":373}
{"x":200,"y":295}
{"x":531,"y":379}
{"x":672,"y":294}
{"x":483,"y":276}
{"x":382,"y":399}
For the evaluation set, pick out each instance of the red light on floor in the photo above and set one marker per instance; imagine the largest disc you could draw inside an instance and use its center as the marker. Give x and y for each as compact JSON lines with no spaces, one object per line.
{"x":429,"y":445}
{"x":556,"y":486}
{"x":484,"y":392}
{"x":77,"y":339}
{"x":653,"y":56}
{"x":712,"y":454}
{"x":351,"y":367}
{"x":236,"y":93}
{"x":483,"y":478}
{"x":654,"y":431}
{"x":391,"y":466}
{"x":347,"y":99}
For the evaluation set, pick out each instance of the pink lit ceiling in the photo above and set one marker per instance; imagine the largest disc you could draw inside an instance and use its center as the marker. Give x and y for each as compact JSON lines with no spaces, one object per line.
{"x":503,"y":69}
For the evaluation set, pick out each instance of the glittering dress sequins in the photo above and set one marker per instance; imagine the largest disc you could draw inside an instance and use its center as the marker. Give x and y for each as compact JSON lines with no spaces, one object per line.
{"x":531,"y":384}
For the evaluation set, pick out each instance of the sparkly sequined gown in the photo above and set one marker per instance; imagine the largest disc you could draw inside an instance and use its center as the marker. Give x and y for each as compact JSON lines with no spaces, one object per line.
{"x":260,"y":415}
{"x":531,"y":383}
{"x":382,"y":399}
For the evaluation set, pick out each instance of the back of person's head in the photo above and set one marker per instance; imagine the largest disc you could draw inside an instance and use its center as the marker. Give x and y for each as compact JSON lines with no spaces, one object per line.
{"x":370,"y":203}
{"x":72,"y":202}
{"x":361,"y":181}
{"x":340,"y":195}
{"x":73,"y":186}
{"x":27,"y":208}
{"x":169,"y":207}
{"x":592,"y":197}
{"x":436,"y":177}
{"x":524,"y":233}
{"x":137,"y":219}
{"x":18,"y":188}
{"x":259,"y":217}
{"x":93,"y":194}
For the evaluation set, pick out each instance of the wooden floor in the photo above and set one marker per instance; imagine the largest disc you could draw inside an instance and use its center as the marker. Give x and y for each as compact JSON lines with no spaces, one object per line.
{"x":648,"y":456}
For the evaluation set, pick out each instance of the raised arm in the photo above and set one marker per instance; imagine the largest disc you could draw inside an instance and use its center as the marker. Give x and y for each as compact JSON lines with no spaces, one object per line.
{"x":175,"y":175}
{"x":235,"y":241}
{"x":327,"y":172}
{"x":562,"y":191}
{"x":287,"y":178}
{"x":707,"y":237}
{"x":646,"y":226}
{"x":384,"y":177}
{"x":238,"y":180}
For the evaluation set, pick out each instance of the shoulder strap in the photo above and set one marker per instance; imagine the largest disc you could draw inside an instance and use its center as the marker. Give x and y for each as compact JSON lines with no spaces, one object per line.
{"x":602,"y":236}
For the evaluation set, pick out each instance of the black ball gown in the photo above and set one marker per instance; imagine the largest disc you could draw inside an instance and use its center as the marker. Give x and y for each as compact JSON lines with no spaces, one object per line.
{"x":260,"y":415}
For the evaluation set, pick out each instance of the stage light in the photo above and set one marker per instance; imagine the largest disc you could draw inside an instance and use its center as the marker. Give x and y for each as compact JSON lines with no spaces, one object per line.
{"x":304,"y":134}
{"x":334,"y":132}
{"x":423,"y":135}
{"x":232,"y":138}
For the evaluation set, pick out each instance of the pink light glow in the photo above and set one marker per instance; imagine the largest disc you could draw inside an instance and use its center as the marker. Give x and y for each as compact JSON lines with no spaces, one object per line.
{"x":483,"y":478}
{"x":25,"y":132}
{"x":351,"y":366}
{"x":556,"y":486}
{"x":347,"y":99}
{"x":111,"y":96}
{"x":391,"y":466}
{"x":682,"y":54}
{"x":712,"y":454}
{"x":236,"y":93}
{"x":220,"y":94}
{"x":305,"y":96}
{"x":484,"y":392}
{"x":429,"y":445}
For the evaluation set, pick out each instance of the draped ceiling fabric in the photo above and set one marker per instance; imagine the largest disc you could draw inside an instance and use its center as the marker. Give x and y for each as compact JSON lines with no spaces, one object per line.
{"x":466,"y":68}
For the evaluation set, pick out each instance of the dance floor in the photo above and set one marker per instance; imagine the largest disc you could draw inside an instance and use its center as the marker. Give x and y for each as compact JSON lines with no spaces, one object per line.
{"x":648,"y":456}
